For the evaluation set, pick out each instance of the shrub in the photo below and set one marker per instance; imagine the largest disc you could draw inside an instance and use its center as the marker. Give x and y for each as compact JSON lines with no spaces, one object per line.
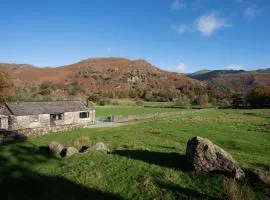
{"x":115,"y":102}
{"x":94,"y":98}
{"x":45,"y":85}
{"x":102,"y":102}
{"x":182,"y":101}
{"x":155,"y":130}
{"x":139,"y":103}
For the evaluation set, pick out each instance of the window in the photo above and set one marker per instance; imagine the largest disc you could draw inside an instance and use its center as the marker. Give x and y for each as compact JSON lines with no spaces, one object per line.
{"x":56,"y":117}
{"x":84,"y":115}
{"x":34,"y":118}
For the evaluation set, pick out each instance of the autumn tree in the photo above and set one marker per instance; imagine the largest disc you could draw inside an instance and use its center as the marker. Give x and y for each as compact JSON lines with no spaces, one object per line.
{"x":5,"y":85}
{"x":259,"y":97}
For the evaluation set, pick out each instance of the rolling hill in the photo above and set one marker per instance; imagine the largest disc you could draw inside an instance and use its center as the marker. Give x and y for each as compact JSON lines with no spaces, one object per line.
{"x":110,"y":76}
{"x":121,"y":77}
{"x":238,"y":81}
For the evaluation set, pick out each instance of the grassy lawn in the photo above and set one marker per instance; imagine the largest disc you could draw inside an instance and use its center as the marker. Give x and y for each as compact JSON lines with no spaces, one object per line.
{"x":129,"y":110}
{"x":146,"y":160}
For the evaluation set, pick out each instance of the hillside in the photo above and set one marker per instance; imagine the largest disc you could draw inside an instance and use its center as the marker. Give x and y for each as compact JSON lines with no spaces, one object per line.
{"x":114,"y":77}
{"x":239,"y":81}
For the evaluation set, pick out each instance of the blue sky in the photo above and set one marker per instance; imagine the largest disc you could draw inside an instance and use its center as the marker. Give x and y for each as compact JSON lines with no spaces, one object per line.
{"x":176,"y":35}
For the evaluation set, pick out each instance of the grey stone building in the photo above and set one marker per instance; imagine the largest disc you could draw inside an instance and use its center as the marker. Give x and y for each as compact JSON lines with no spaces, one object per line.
{"x":16,"y":116}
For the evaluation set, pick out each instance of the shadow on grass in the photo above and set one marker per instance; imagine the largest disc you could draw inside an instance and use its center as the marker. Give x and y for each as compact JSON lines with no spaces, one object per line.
{"x":256,"y":183}
{"x":185,"y":193}
{"x":263,"y":166}
{"x":166,"y":147}
{"x":171,"y":160}
{"x":19,"y":181}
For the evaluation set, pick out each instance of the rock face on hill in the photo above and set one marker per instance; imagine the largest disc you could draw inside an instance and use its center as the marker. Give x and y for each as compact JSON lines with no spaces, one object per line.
{"x":203,"y":155}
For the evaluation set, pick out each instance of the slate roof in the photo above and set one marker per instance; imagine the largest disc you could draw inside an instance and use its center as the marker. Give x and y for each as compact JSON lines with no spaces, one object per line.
{"x":4,"y":110}
{"x":50,"y":107}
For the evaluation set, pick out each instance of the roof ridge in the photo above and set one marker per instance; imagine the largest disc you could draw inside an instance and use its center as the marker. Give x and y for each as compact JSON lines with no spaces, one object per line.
{"x":44,"y":101}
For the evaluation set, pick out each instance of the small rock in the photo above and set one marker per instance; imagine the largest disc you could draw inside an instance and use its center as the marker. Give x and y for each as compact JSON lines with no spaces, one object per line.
{"x":99,"y":147}
{"x":56,"y":147}
{"x":71,"y":151}
{"x":203,"y":155}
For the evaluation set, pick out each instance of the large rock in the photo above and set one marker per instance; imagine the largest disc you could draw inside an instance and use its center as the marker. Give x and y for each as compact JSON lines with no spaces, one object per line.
{"x":69,"y":151}
{"x":56,"y":147}
{"x":203,"y":155}
{"x":99,"y":147}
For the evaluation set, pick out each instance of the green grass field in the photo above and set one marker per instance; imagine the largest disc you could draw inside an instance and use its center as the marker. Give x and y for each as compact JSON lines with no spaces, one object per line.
{"x":146,"y":161}
{"x":103,"y":111}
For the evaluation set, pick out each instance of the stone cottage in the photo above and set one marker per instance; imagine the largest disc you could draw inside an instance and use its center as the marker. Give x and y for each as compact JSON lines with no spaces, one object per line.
{"x":45,"y":117}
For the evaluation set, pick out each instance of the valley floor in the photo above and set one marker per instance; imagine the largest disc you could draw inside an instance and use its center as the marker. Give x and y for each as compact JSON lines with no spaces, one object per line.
{"x":146,"y":160}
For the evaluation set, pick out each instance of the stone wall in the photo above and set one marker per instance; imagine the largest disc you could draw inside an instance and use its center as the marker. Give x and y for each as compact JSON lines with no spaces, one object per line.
{"x":24,"y":122}
{"x":7,"y":136}
{"x":3,"y":122}
{"x":74,"y":117}
{"x":126,"y":118}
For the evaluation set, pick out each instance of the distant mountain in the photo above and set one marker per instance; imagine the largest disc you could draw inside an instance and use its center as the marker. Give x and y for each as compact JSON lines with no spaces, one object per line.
{"x":267,"y":70}
{"x":200,"y":72}
{"x":239,"y":81}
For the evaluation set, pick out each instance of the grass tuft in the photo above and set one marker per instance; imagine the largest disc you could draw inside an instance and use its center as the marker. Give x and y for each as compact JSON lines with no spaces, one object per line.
{"x":234,"y":191}
{"x":155,"y":130}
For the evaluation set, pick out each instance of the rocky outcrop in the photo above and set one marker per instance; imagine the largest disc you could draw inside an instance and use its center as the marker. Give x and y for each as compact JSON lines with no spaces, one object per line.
{"x":203,"y":155}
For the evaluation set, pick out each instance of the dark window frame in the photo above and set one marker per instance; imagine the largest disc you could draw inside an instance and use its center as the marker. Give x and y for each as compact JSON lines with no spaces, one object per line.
{"x":57,"y":117}
{"x":84,"y":115}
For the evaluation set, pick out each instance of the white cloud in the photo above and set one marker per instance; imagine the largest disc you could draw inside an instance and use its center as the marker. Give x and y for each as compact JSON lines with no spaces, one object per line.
{"x":182,"y":28}
{"x":251,"y":12}
{"x":209,"y":23}
{"x":206,"y":24}
{"x":180,"y":68}
{"x":178,"y":4}
{"x":236,"y":67}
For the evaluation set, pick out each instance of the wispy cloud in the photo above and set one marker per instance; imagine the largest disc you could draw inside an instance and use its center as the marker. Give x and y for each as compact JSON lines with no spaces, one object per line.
{"x":178,"y":4}
{"x":206,"y":24}
{"x":236,"y":67}
{"x":182,"y":28}
{"x":108,"y":49}
{"x":180,"y":68}
{"x":209,"y":23}
{"x":251,"y":12}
